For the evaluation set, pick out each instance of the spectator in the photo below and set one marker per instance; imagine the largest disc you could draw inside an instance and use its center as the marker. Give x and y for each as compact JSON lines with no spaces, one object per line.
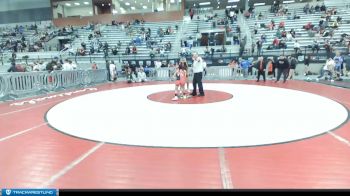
{"x":245,"y":64}
{"x":328,"y":69}
{"x":259,"y":47}
{"x":293,"y":65}
{"x":141,"y":75}
{"x":127,"y":50}
{"x":191,"y":12}
{"x":115,"y":50}
{"x":94,"y":66}
{"x":263,"y":38}
{"x":315,"y":46}
{"x":276,"y":42}
{"x":283,"y":68}
{"x":307,"y":64}
{"x":134,"y":50}
{"x":112,"y":71}
{"x":296,"y":47}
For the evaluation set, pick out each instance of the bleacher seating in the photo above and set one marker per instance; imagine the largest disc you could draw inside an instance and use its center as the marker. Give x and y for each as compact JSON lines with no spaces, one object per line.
{"x":301,"y":34}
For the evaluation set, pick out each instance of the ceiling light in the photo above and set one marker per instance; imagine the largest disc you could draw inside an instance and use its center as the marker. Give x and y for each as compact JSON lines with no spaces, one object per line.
{"x":68,"y":4}
{"x":258,"y":4}
{"x":231,"y":1}
{"x":144,"y":7}
{"x":114,"y":11}
{"x":133,"y":8}
{"x":76,"y":3}
{"x":232,"y":6}
{"x":103,"y":4}
{"x":127,"y":3}
{"x":289,"y":1}
{"x":90,"y":12}
{"x":172,"y":1}
{"x":109,"y":4}
{"x":204,"y":3}
{"x":86,"y":3}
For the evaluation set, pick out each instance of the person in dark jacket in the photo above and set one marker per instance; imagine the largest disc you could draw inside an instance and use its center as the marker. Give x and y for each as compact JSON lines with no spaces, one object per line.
{"x":282,"y":67}
{"x":260,"y":65}
{"x":293,"y":65}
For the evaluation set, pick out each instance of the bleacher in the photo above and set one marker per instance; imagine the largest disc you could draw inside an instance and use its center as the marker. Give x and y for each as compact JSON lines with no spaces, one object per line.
{"x":301,"y":34}
{"x":202,"y":25}
{"x":113,"y":34}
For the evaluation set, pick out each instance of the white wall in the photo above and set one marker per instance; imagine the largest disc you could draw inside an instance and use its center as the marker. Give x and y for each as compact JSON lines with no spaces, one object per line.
{"x":77,"y":11}
{"x":57,"y":10}
{"x":7,"y":5}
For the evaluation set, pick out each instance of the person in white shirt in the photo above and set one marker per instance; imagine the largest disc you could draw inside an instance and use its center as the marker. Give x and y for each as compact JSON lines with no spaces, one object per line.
{"x":113,"y":71}
{"x":198,"y":67}
{"x":328,"y":69}
{"x":73,"y":65}
{"x":66,"y":66}
{"x":141,"y":75}
{"x":296,"y":46}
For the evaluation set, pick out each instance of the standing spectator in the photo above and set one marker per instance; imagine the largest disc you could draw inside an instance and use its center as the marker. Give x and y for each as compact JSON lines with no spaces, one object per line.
{"x":261,"y":66}
{"x":283,"y":68}
{"x":293,"y":64}
{"x":108,"y":70}
{"x":245,"y":64}
{"x":338,"y":62}
{"x":191,"y":12}
{"x":307,"y":63}
{"x":259,"y":47}
{"x":113,"y":71}
{"x":296,"y":47}
{"x":271,"y":68}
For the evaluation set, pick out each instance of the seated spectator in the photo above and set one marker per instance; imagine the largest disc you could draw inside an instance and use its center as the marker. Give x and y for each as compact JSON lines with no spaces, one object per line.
{"x":312,"y":10}
{"x":127,"y":50}
{"x":141,"y":75}
{"x":292,"y":32}
{"x":278,"y":34}
{"x":308,"y":26}
{"x":289,"y":37}
{"x":134,"y":50}
{"x":281,"y":25}
{"x":115,"y":50}
{"x":323,"y":8}
{"x":152,"y":53}
{"x":130,"y":76}
{"x":317,"y":8}
{"x":284,"y":34}
{"x":94,"y":66}
{"x":276,"y":42}
{"x":81,"y":52}
{"x":339,"y":19}
{"x":206,"y":51}
{"x":162,"y":52}
{"x":335,"y":25}
{"x":282,"y":44}
{"x":263,"y":38}
{"x":315,"y":46}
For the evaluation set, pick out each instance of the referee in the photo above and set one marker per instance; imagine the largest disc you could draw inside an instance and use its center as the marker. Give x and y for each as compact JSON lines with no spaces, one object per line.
{"x":198,"y":68}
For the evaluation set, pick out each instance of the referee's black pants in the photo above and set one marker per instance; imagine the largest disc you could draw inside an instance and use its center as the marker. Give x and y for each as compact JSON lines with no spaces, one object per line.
{"x":197,"y":79}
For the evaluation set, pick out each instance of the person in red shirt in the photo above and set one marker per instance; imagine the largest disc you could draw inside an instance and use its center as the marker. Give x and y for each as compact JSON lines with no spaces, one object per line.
{"x":276,"y":42}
